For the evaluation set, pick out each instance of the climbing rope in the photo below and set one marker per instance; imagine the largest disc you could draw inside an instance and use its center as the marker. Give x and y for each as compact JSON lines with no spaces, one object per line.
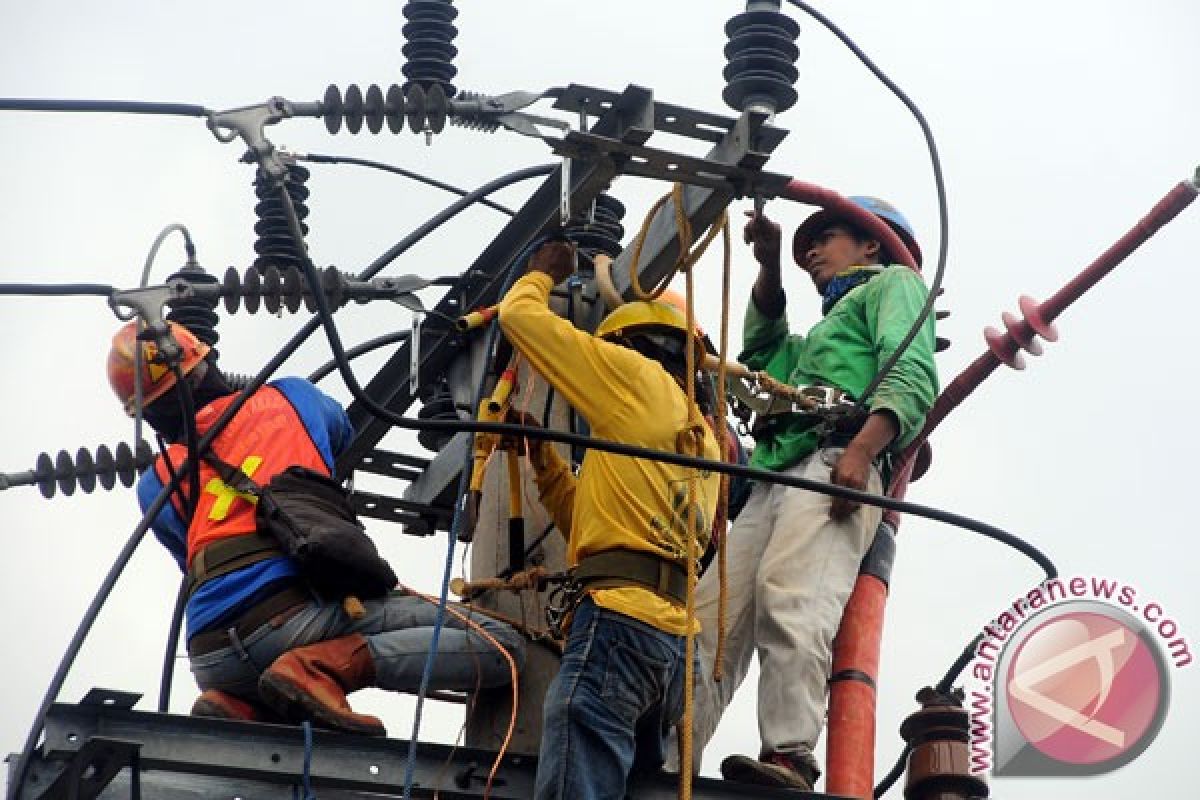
{"x":687,"y":255}
{"x":722,"y":432}
{"x":684,"y":264}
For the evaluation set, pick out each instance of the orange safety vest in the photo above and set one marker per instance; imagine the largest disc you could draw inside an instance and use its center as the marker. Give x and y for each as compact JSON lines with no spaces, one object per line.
{"x":264,"y":438}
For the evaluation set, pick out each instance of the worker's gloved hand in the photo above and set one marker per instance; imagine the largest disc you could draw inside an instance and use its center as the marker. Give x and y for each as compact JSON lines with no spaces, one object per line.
{"x":556,"y":259}
{"x":764,"y":235}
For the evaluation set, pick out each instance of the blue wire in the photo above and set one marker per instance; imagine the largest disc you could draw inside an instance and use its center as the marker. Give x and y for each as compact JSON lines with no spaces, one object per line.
{"x":464,"y":481}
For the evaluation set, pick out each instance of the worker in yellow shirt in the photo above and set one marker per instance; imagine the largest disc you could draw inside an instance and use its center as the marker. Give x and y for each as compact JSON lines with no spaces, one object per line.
{"x":627,"y":522}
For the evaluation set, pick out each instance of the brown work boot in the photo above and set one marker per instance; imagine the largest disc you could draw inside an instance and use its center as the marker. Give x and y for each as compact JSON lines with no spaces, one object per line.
{"x":781,"y":770}
{"x":223,"y":705}
{"x":311,"y":682}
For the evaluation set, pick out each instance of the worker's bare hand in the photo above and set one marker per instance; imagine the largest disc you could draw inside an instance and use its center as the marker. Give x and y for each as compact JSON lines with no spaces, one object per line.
{"x":556,"y":259}
{"x":764,"y":235}
{"x":852,"y":470}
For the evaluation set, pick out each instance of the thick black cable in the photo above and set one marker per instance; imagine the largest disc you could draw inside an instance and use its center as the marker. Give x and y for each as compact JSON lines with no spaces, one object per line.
{"x":20,"y":772}
{"x":317,"y":158}
{"x":358,"y":350}
{"x":56,"y":289}
{"x":939,"y":182}
{"x":169,"y":652}
{"x":103,"y":106}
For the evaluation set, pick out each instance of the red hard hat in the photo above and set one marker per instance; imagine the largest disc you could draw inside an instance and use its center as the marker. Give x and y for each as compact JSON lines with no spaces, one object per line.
{"x":157,"y":376}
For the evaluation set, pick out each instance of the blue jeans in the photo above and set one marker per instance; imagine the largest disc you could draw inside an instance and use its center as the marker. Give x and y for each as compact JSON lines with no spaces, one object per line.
{"x":398,"y":629}
{"x":609,"y":710}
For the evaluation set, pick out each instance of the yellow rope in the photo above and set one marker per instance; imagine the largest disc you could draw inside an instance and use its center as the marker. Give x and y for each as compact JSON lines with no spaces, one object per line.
{"x":686,"y":257}
{"x":721,"y":224}
{"x":722,"y":436}
{"x":689,"y":672}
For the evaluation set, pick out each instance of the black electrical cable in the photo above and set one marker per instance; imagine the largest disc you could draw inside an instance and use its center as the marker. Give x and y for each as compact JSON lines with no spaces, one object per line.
{"x":173,"y":631}
{"x":104,"y":106}
{"x":317,"y":158}
{"x":56,"y":289}
{"x":20,"y":772}
{"x":943,"y":215}
{"x":354,"y":352}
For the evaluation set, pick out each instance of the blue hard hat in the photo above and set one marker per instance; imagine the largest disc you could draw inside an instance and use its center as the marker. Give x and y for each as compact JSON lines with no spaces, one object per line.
{"x":825,"y":217}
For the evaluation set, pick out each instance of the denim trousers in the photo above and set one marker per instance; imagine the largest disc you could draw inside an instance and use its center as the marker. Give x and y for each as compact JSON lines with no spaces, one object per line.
{"x":609,"y":710}
{"x":399,"y":631}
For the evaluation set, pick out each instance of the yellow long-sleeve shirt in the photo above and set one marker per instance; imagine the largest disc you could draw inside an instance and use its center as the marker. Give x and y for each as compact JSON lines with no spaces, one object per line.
{"x":617,"y":502}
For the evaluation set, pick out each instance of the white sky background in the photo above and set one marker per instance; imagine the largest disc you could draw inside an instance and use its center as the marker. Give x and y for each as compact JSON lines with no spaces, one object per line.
{"x":1060,"y":124}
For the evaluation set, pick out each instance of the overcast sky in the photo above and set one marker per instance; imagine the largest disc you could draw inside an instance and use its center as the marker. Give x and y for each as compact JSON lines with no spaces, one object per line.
{"x":1059,"y":123}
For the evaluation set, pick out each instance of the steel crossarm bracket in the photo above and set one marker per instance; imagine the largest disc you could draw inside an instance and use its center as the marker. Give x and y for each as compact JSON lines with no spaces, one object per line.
{"x":747,"y":145}
{"x":629,"y":119}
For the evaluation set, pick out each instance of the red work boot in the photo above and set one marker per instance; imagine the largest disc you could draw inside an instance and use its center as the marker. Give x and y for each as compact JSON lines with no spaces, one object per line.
{"x":223,"y":705}
{"x":782,"y":770}
{"x":312,"y":682}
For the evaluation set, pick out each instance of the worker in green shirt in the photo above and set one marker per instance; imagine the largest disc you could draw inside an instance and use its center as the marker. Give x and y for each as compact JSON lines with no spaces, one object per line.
{"x":794,"y":555}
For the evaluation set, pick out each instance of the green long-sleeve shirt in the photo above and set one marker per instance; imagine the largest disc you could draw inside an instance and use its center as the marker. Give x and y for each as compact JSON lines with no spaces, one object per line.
{"x":845,"y":350}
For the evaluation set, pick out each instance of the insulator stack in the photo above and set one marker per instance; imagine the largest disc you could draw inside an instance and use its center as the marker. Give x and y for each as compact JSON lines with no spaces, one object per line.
{"x":237,"y":380}
{"x":278,"y":289}
{"x":761,"y":69}
{"x":63,"y":473}
{"x":423,"y":110}
{"x":1020,"y":334}
{"x":440,"y":405}
{"x":429,"y":45}
{"x":600,"y":232}
{"x":276,"y":247}
{"x":197,"y":314}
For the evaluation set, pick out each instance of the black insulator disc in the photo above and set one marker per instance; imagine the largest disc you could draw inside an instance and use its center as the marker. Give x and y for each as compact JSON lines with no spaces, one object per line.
{"x":331,"y":109}
{"x":354,"y":108}
{"x":428,"y":71}
{"x":414,"y":108}
{"x":86,"y":470}
{"x":373,"y":108}
{"x":231,"y":290}
{"x":252,"y":290}
{"x":279,"y":248}
{"x":106,"y":468}
{"x":272,"y":281}
{"x":333,"y":284}
{"x":437,"y":108}
{"x":767,"y":43}
{"x":425,"y":44}
{"x":293,"y":290}
{"x":763,"y":67}
{"x":395,"y":108}
{"x":430,"y":9}
{"x":774,"y":20}
{"x":126,"y":469}
{"x":736,"y":92}
{"x":64,"y":471}
{"x":145,"y":455}
{"x":44,"y":472}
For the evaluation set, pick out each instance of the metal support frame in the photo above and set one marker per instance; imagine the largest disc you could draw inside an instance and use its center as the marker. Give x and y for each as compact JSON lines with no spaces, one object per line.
{"x":627,"y":120}
{"x":615,"y":145}
{"x":171,"y":757}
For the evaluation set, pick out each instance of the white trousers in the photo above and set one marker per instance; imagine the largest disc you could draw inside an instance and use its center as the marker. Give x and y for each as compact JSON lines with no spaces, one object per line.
{"x":790,"y":572}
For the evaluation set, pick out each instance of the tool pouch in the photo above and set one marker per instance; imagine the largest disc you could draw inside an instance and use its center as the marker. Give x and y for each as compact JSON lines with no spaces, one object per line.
{"x":311,"y":516}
